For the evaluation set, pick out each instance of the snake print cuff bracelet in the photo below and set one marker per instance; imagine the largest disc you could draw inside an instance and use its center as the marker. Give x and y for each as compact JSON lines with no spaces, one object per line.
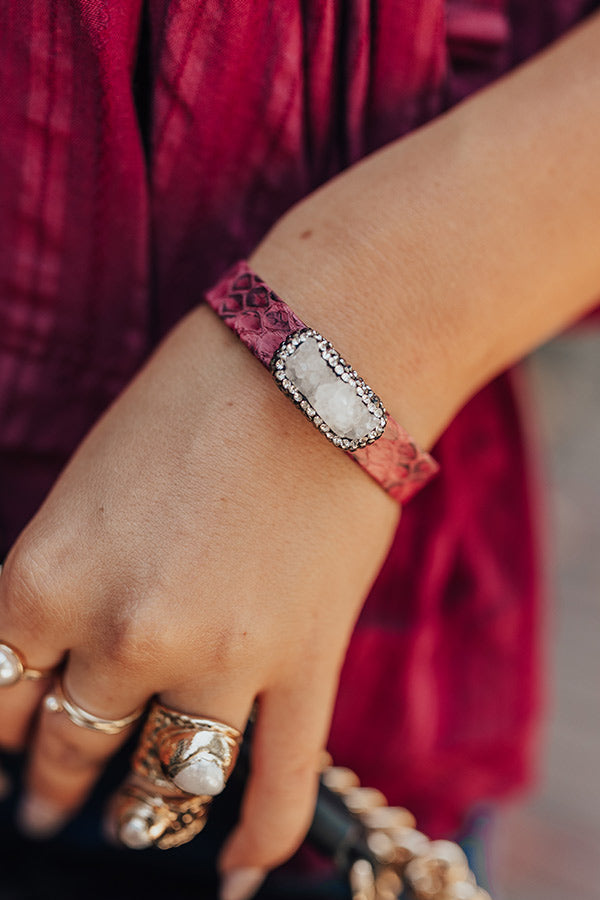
{"x":322,"y":385}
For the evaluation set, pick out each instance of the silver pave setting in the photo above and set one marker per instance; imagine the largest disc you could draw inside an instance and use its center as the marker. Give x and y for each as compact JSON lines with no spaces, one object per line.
{"x":328,"y":391}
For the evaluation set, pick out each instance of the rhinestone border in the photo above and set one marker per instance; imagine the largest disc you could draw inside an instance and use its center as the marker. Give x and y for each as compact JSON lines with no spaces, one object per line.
{"x":341,"y":370}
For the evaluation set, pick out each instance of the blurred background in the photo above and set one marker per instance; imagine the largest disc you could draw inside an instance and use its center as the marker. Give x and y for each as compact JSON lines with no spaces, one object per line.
{"x":547,"y":847}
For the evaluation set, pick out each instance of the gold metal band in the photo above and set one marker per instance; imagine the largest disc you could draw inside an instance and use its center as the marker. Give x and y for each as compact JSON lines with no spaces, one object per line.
{"x":175,"y":747}
{"x":13,"y":667}
{"x":60,"y":701}
{"x":145,"y":818}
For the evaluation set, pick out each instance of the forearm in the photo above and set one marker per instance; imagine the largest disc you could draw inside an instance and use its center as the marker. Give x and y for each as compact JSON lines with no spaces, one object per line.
{"x":437,"y":261}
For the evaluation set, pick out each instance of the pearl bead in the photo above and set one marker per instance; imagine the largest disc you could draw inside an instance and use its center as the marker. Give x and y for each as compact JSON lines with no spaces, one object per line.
{"x":134,"y":833}
{"x":10,"y":670}
{"x":51,"y":703}
{"x":201,"y":777}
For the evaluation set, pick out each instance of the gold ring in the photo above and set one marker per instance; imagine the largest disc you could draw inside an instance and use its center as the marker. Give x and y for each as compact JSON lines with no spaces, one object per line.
{"x":180,"y":764}
{"x":60,"y":701}
{"x":145,"y":819}
{"x":13,"y":667}
{"x":192,"y":753}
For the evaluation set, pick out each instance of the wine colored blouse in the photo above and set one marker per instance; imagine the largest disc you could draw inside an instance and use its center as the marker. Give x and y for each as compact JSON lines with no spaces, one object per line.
{"x":144,"y":148}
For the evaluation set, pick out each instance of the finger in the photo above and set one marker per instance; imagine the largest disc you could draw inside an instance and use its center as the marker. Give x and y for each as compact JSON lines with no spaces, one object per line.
{"x":183,"y":760}
{"x":22,"y":629}
{"x":66,"y":759}
{"x":213,"y":700}
{"x":279,"y":802}
{"x":5,"y":785}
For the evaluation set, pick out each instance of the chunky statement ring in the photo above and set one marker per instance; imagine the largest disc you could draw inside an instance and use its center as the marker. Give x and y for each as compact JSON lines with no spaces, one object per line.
{"x":191,"y":753}
{"x":13,"y":667}
{"x":324,"y":386}
{"x":150,"y":819}
{"x":60,"y":701}
{"x":181,"y":763}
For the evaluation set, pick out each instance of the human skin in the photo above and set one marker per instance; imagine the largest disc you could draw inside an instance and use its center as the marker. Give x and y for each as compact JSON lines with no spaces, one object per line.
{"x":204,"y":543}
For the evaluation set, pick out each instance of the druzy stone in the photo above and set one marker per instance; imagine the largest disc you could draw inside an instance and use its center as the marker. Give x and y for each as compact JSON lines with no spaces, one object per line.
{"x":201,"y":776}
{"x":335,"y":401}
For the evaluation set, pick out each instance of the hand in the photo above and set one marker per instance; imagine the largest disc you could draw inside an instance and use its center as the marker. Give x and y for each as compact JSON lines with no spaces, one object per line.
{"x":206,"y":545}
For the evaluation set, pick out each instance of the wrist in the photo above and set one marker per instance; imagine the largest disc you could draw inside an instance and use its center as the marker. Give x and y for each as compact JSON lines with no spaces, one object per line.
{"x":322,"y":384}
{"x":244,"y":420}
{"x":337,"y":281}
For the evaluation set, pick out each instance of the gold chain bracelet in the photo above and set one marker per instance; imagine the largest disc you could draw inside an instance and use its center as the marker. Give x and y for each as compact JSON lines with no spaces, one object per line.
{"x":404,"y":857}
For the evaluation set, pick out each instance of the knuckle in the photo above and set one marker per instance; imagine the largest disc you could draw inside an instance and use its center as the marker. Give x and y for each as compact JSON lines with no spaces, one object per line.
{"x":130,"y":637}
{"x":216,"y":648}
{"x":229,"y":646}
{"x":238,"y":643}
{"x":28,"y":586}
{"x":125,"y":646}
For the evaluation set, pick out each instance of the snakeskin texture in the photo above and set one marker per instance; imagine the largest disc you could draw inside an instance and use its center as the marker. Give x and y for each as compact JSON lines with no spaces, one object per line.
{"x":262,"y":320}
{"x":257,"y":315}
{"x":396,"y":462}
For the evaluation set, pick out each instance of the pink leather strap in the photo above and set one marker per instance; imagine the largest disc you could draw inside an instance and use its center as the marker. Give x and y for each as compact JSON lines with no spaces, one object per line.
{"x":263,"y":321}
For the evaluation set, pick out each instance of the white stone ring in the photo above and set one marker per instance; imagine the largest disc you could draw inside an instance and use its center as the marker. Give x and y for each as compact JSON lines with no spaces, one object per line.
{"x":13,"y":667}
{"x":181,"y":763}
{"x":193,"y":753}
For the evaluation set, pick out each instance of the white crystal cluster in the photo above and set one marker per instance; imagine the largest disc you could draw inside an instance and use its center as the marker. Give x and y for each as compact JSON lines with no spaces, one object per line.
{"x":329,"y":391}
{"x":202,"y":771}
{"x":203,"y":776}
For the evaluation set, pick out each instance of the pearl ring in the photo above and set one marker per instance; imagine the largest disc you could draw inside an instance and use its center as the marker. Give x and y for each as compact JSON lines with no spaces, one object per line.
{"x":13,"y":667}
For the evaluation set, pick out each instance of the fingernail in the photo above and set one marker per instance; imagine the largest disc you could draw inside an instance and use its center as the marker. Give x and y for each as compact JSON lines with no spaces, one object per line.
{"x":38,"y":818}
{"x":241,"y":884}
{"x":5,"y":785}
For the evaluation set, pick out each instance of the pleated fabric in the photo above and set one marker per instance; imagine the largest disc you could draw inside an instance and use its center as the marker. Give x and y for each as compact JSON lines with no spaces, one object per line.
{"x":119,"y":206}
